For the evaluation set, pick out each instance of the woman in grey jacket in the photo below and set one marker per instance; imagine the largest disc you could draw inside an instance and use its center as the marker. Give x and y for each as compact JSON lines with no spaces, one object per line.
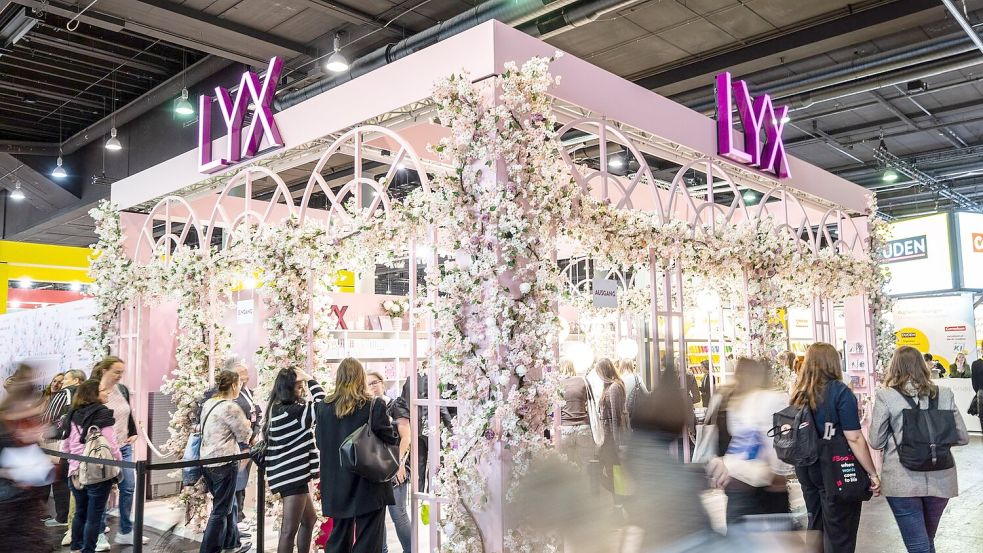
{"x":917,"y":499}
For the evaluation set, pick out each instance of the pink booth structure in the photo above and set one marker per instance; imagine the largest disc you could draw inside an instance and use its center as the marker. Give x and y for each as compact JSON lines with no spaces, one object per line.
{"x":622,"y":144}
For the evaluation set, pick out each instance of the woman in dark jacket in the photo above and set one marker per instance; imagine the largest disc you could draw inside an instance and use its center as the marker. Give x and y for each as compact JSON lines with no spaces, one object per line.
{"x":357,"y":505}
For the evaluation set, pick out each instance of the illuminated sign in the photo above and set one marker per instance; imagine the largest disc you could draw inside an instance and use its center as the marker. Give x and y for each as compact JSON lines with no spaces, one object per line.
{"x":977,"y":242}
{"x":756,"y":115}
{"x":905,"y":249}
{"x":250,"y":96}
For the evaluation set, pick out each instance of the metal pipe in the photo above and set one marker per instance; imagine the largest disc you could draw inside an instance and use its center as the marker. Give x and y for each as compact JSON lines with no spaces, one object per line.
{"x":165,"y":91}
{"x":575,"y":15}
{"x":509,"y":12}
{"x":961,"y":20}
{"x":892,"y":60}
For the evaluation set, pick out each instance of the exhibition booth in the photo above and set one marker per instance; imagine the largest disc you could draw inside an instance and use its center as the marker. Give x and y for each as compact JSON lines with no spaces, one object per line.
{"x":473,"y":213}
{"x":936,"y":265}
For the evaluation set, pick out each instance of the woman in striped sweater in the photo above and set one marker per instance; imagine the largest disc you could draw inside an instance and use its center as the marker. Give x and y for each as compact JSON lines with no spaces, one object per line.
{"x":291,"y":458}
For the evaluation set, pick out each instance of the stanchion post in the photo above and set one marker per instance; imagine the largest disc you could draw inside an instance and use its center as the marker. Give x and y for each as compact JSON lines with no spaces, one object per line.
{"x":260,"y":508}
{"x":140,"y":494}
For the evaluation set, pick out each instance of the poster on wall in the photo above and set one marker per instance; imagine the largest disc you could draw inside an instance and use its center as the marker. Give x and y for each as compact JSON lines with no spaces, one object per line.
{"x":970,"y":242}
{"x":918,"y":255}
{"x":49,"y":339}
{"x":940,"y":325}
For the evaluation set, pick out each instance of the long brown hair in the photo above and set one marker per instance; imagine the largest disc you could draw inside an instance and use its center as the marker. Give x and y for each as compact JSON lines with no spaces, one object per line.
{"x":908,"y":366}
{"x":751,"y":374}
{"x":86,"y":394}
{"x":821,"y":365}
{"x":104,"y":365}
{"x":350,"y":391}
{"x":605,"y":368}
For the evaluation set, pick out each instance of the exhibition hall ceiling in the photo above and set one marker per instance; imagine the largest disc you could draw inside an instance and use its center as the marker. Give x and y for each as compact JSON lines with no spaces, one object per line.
{"x":854,"y":74}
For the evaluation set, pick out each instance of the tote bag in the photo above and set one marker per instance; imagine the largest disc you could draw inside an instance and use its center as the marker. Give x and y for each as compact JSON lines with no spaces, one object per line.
{"x":844,"y":479}
{"x":366,"y":455}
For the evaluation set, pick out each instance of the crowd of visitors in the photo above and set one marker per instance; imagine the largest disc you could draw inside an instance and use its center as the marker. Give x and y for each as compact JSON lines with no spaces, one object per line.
{"x":610,"y":425}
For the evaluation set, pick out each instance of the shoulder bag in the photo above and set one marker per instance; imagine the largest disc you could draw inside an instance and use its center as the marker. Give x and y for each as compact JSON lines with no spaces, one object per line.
{"x":844,"y":479}
{"x":366,"y":455}
{"x":258,"y":452}
{"x":192,"y":452}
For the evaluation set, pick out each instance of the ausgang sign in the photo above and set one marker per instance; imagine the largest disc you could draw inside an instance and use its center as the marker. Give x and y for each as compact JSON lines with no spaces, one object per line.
{"x":250,"y":96}
{"x":757,"y":115}
{"x":905,"y":249}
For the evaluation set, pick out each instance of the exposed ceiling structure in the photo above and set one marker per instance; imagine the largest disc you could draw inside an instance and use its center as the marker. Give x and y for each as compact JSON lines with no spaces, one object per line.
{"x":873,"y":85}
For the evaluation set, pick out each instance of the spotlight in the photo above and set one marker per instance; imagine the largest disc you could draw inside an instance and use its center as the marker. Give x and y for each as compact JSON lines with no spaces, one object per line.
{"x":75,"y":286}
{"x":337,"y":62}
{"x":15,"y":304}
{"x":249,"y":283}
{"x":616,"y":162}
{"x":890,"y":175}
{"x":113,"y":143}
{"x":750,"y":197}
{"x":17,"y":193}
{"x":59,"y":171}
{"x":183,"y":106}
{"x":25,"y":282}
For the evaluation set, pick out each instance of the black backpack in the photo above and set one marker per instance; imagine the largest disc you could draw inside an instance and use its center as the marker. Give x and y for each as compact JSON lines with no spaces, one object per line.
{"x":927,"y":436}
{"x":796,"y":439}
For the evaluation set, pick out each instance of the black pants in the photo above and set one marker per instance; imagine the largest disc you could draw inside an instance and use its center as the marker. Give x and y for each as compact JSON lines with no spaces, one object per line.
{"x":749,"y":501}
{"x":368,"y":532}
{"x":221,"y":531}
{"x":61,"y":493}
{"x":838,"y":522}
{"x":422,"y":450}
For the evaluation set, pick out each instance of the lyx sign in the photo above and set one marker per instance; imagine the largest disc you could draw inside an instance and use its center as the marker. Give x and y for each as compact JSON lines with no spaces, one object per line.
{"x":757,"y":115}
{"x":251,"y":96}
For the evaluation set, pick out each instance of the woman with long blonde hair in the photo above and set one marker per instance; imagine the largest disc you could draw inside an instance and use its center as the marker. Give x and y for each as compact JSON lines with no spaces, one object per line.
{"x":820,"y":387}
{"x":917,"y":498}
{"x":358,"y":506}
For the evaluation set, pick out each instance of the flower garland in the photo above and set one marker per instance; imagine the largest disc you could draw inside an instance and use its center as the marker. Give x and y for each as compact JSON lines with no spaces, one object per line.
{"x":110,"y":270}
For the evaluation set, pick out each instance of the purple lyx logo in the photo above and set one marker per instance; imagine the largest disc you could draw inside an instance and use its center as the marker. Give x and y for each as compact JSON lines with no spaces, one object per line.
{"x":262,"y":126}
{"x":755,"y":113}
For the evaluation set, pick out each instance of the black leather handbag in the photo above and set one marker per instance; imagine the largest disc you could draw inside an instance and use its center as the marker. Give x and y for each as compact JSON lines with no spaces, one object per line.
{"x":366,"y":455}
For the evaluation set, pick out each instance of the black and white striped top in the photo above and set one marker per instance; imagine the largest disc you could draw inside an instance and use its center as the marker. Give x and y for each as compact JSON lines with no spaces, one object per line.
{"x":291,"y":458}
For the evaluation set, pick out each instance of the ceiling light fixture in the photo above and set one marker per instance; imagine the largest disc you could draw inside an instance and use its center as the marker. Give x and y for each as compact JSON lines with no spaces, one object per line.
{"x":17,"y":193}
{"x":890,"y":175}
{"x":75,"y":286}
{"x":25,"y":282}
{"x":183,"y":106}
{"x":337,"y":62}
{"x":616,"y":163}
{"x":113,"y":144}
{"x":59,"y":172}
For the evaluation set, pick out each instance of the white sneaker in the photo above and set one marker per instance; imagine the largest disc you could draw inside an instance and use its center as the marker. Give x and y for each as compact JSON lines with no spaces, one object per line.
{"x":113,"y":512}
{"x":102,"y":544}
{"x":244,"y":526}
{"x":124,"y":539}
{"x":67,"y":540}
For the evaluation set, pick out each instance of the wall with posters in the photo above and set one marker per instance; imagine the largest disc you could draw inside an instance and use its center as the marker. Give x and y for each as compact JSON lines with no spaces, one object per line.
{"x":919,"y":255}
{"x":941,"y":325}
{"x":48,"y":338}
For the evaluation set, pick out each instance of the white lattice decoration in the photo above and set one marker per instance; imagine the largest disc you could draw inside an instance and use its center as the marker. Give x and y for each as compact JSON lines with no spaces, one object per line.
{"x":246,"y":212}
{"x":171,"y":211}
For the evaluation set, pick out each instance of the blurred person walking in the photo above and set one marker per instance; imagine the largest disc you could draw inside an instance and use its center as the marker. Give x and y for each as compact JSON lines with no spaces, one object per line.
{"x":576,"y":441}
{"x":55,"y":414}
{"x":223,"y":428}
{"x":834,"y":409}
{"x":613,"y":418}
{"x":745,"y":464}
{"x":399,"y":413}
{"x":291,"y":458}
{"x":634,"y":386}
{"x":917,"y":497}
{"x":109,"y":373}
{"x":23,"y":466}
{"x":89,"y":412}
{"x":356,"y":504}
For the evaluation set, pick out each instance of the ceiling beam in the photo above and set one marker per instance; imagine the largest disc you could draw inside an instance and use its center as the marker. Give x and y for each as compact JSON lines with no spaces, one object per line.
{"x":844,"y":21}
{"x":79,"y":48}
{"x":222,"y":45}
{"x":353,"y":15}
{"x":191,"y":18}
{"x":41,"y":91}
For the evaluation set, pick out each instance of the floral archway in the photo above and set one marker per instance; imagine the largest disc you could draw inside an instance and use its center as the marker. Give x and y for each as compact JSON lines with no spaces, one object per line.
{"x":510,"y":195}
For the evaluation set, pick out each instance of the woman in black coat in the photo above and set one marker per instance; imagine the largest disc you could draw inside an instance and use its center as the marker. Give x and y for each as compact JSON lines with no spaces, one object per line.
{"x":357,"y":505}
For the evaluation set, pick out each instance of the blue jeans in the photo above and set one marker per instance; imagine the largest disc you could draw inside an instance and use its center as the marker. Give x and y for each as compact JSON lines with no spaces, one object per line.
{"x":221,"y":531}
{"x":401,"y":519}
{"x":90,"y":509}
{"x":126,"y":487}
{"x":918,"y":519}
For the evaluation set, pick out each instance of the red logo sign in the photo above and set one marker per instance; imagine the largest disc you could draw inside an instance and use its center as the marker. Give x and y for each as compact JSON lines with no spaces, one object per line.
{"x":977,"y":242}
{"x":961,"y":328}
